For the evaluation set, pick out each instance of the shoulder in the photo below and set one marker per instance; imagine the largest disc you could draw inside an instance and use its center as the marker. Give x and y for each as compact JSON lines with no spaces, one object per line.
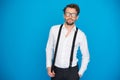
{"x":55,"y":28}
{"x":81,"y":33}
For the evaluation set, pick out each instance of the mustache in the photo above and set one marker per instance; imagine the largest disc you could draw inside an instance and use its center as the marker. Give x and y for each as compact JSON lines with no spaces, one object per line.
{"x":70,"y":19}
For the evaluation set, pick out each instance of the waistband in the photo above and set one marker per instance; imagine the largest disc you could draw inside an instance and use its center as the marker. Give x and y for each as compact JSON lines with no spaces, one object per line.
{"x":65,"y":68}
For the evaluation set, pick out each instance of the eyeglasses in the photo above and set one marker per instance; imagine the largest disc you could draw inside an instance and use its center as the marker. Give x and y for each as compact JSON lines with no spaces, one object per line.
{"x":70,"y":14}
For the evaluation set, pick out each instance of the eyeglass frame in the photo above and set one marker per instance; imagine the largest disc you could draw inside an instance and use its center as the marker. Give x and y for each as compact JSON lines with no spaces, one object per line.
{"x":70,"y":14}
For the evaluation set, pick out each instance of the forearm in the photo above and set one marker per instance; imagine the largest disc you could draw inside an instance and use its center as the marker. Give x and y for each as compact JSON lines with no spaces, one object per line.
{"x":84,"y":64}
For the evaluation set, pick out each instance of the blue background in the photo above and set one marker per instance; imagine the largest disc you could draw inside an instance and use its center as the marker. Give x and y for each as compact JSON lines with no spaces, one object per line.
{"x":24,"y":30}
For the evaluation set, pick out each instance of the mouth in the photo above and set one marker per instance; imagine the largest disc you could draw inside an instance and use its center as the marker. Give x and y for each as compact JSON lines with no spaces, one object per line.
{"x":70,"y":20}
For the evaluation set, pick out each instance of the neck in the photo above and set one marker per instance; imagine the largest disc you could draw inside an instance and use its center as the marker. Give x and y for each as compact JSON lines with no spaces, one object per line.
{"x":69,"y":27}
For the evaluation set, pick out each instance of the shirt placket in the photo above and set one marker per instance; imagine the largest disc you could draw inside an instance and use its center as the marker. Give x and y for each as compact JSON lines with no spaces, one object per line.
{"x":63,"y":59}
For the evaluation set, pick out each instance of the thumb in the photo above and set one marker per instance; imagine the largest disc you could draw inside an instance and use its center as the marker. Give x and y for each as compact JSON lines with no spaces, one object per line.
{"x":53,"y":72}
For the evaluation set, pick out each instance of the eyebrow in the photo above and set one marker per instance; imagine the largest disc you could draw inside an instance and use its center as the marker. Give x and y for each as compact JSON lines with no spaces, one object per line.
{"x":70,"y":12}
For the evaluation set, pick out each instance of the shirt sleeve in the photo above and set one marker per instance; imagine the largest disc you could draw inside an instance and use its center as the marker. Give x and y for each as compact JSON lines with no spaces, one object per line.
{"x":85,"y":54}
{"x":49,"y":49}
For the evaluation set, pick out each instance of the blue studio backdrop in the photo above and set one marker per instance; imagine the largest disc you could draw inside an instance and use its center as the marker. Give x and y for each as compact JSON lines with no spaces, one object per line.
{"x":24,"y":30}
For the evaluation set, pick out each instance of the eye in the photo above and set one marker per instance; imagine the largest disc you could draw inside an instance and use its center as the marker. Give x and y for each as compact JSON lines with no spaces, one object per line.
{"x":70,"y":14}
{"x":67,"y":14}
{"x":73,"y":14}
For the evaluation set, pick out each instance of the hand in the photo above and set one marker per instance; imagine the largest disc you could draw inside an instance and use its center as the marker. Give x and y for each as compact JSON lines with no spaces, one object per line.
{"x":79,"y":75}
{"x":51,"y":74}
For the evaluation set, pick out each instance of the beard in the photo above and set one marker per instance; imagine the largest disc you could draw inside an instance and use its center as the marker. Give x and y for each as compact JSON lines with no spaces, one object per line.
{"x":69,"y":22}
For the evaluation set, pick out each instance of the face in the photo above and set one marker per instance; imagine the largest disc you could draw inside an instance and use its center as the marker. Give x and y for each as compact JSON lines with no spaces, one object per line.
{"x":70,"y":16}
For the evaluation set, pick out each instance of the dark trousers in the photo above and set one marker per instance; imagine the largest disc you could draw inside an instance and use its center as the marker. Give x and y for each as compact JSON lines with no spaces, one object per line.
{"x":66,"y":74}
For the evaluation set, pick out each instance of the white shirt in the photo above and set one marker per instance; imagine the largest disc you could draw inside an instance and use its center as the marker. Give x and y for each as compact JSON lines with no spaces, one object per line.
{"x":64,"y":48}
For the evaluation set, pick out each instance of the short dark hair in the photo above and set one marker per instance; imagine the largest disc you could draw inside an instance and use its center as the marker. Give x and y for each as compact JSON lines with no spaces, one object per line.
{"x":75,"y":6}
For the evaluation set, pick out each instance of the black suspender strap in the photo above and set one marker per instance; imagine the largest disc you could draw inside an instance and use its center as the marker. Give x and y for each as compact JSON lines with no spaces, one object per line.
{"x":56,"y":47}
{"x":73,"y":45}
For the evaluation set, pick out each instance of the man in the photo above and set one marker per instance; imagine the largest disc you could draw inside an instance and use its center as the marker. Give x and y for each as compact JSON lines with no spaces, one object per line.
{"x":61,"y":52}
